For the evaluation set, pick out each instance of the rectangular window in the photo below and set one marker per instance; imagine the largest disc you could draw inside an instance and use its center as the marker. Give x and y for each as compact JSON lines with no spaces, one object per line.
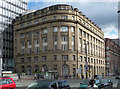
{"x":80,"y":32}
{"x":79,"y":44}
{"x":36,"y":21}
{"x":36,"y":49}
{"x":29,"y":43}
{"x":36,"y":41}
{"x":73,"y":18}
{"x":22,"y":60}
{"x":36,"y":33}
{"x":22,"y":44}
{"x":65,"y":57}
{"x":44,"y":58}
{"x":55,"y":43}
{"x":22,"y":36}
{"x":72,"y":29}
{"x":29,"y":59}
{"x":44,"y":19}
{"x":73,"y":57}
{"x":44,"y":44}
{"x":22,"y":51}
{"x":44,"y":31}
{"x":29,"y":50}
{"x":84,"y":34}
{"x":80,"y":58}
{"x":29,"y":24}
{"x":64,"y":29}
{"x":54,"y":17}
{"x":36,"y":58}
{"x":83,"y":46}
{"x":73,"y":47}
{"x":55,"y":57}
{"x":29,"y":34}
{"x":55,"y":29}
{"x":64,"y":17}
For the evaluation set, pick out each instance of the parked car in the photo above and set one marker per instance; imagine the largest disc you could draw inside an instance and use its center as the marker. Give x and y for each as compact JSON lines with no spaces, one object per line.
{"x":98,"y":77}
{"x":7,"y":83}
{"x":106,"y":83}
{"x":117,"y":77}
{"x":85,"y":83}
{"x":49,"y":84}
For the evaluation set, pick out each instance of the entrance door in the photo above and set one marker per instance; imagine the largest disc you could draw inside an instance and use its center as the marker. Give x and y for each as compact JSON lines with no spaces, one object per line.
{"x":65,"y":70}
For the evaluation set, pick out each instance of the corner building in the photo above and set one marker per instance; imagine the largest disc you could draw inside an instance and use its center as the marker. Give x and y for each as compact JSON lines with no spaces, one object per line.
{"x":55,"y":38}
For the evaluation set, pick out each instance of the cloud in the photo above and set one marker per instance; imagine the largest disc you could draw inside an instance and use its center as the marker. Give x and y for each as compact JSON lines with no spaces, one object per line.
{"x":104,"y":14}
{"x":110,"y":31}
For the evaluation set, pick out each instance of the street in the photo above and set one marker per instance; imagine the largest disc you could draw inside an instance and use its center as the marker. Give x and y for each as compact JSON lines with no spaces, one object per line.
{"x":74,"y":83}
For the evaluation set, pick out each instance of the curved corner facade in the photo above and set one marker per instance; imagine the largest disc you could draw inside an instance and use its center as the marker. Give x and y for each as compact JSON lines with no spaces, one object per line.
{"x":57,"y":38}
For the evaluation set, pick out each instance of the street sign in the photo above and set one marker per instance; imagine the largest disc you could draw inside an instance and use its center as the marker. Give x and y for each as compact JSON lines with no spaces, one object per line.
{"x":78,"y":70}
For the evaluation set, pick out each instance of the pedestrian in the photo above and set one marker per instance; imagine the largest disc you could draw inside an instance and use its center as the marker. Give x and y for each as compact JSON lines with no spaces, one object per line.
{"x":82,"y":76}
{"x":38,"y":76}
{"x":35,"y":76}
{"x":19,"y":76}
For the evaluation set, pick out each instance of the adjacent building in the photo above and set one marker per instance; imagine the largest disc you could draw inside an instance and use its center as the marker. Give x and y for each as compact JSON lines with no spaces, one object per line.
{"x":9,"y":9}
{"x":112,"y":57}
{"x":57,"y":38}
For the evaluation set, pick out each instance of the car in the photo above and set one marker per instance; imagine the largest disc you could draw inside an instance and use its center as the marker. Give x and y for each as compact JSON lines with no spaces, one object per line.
{"x":106,"y":83}
{"x":85,"y":83}
{"x":50,"y":84}
{"x":98,"y":77}
{"x":117,"y":77}
{"x":7,"y":83}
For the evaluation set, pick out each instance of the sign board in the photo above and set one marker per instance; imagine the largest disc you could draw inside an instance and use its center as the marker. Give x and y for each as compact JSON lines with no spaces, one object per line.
{"x":78,"y":70}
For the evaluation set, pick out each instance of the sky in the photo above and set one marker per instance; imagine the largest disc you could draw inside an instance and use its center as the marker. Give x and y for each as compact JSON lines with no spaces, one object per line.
{"x":103,"y":13}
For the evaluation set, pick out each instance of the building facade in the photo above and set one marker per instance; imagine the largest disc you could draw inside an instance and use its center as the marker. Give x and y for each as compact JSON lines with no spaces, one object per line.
{"x":9,"y":9}
{"x":55,"y":38}
{"x":112,"y":55}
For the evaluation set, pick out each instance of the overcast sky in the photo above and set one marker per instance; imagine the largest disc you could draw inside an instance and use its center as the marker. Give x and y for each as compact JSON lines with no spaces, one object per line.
{"x":104,"y":14}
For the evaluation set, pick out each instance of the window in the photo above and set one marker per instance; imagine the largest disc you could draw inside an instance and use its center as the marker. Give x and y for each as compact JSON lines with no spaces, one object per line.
{"x":44,"y":31}
{"x":107,"y":47}
{"x":29,"y":24}
{"x":22,"y":36}
{"x":44,"y":44}
{"x":64,"y":29}
{"x":73,"y":47}
{"x":29,"y":50}
{"x":91,"y":60}
{"x":29,"y":43}
{"x":64,"y":17}
{"x":29,"y":59}
{"x":87,"y":36}
{"x":65,"y":57}
{"x":36,"y":21}
{"x":36,"y":41}
{"x":64,"y":43}
{"x":72,"y":29}
{"x":73,"y":57}
{"x":36,"y":49}
{"x":36,"y":33}
{"x":55,"y":29}
{"x":44,"y":19}
{"x":84,"y":34}
{"x":55,"y":57}
{"x":22,"y":44}
{"x":73,"y":18}
{"x":107,"y":53}
{"x":22,"y":25}
{"x":36,"y":58}
{"x":83,"y":46}
{"x":80,"y":32}
{"x":44,"y":58}
{"x":29,"y":34}
{"x":79,"y":44}
{"x":55,"y":43}
{"x":22,"y":60}
{"x":80,"y":58}
{"x":54,"y":17}
{"x":22,"y":51}
{"x":79,"y":20}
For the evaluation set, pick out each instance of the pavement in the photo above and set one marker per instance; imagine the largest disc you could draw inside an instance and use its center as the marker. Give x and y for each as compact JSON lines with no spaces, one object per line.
{"x":27,"y":80}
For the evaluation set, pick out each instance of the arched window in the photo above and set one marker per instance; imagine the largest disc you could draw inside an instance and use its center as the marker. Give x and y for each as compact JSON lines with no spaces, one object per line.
{"x":65,"y":70}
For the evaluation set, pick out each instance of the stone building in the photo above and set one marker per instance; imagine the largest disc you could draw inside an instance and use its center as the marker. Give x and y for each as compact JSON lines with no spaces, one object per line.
{"x":57,"y":38}
{"x":112,"y":56}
